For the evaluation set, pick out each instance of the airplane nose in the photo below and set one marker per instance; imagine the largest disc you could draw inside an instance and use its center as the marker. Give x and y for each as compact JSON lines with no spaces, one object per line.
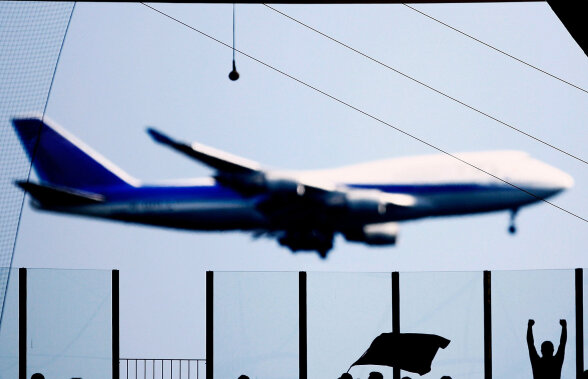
{"x":543,"y":180}
{"x":559,"y":180}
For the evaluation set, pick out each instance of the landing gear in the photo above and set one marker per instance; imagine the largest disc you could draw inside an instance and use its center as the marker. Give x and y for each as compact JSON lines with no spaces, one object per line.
{"x":512,"y":228}
{"x":323,"y":251}
{"x":314,"y":240}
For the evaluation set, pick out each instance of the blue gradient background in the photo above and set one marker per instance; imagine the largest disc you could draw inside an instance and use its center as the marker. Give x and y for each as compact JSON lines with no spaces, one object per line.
{"x":125,"y":67}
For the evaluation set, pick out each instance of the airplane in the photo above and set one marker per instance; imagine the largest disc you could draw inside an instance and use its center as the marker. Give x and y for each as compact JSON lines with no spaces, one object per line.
{"x":303,"y":210}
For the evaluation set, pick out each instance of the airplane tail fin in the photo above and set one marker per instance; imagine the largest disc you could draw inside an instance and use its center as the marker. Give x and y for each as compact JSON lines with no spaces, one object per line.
{"x":61,"y":160}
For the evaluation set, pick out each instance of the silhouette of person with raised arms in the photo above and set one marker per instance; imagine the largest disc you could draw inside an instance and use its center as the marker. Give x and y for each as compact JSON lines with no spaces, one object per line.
{"x":548,"y":366}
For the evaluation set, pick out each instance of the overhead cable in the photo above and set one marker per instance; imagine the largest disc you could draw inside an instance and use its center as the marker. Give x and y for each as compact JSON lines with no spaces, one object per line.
{"x":430,"y":87}
{"x":496,"y":49}
{"x":367,"y":114}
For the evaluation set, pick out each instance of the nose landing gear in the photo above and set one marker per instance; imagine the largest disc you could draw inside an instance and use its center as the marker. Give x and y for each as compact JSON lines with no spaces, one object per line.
{"x":512,"y":228}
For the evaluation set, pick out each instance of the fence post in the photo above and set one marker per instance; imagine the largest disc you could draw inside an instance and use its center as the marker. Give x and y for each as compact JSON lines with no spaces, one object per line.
{"x":579,"y":276}
{"x":396,"y":312}
{"x":22,"y":323}
{"x":302,"y":327}
{"x":487,"y":325}
{"x":209,"y":323}
{"x":115,"y":326}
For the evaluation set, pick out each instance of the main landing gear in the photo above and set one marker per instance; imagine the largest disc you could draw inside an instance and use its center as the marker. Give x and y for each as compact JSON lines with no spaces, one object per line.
{"x":512,"y":228}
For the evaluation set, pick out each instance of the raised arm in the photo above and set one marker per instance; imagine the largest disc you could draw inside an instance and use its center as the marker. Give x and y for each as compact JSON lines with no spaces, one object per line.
{"x":563,"y":338}
{"x":530,"y":341}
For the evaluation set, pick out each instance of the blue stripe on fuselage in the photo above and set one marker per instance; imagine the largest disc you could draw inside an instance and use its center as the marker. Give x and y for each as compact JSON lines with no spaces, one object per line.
{"x":214,"y":192}
{"x":217,"y":192}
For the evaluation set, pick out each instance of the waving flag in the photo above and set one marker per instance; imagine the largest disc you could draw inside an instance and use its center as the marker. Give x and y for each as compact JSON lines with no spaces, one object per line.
{"x":407,"y":351}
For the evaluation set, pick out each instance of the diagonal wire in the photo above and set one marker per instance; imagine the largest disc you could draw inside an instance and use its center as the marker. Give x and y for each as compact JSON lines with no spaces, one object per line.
{"x":496,"y":49}
{"x":429,"y":86}
{"x":367,"y":114}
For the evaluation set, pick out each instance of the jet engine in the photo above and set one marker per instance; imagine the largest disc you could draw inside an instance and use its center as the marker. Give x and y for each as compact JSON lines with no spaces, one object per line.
{"x":374,"y":234}
{"x":284,"y":186}
{"x":261,"y":182}
{"x":365,"y":206}
{"x":365,"y":202}
{"x":374,"y":203}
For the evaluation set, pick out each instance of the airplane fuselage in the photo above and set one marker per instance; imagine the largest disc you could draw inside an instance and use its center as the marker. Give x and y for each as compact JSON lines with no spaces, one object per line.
{"x":302,"y":210}
{"x":441,"y":185}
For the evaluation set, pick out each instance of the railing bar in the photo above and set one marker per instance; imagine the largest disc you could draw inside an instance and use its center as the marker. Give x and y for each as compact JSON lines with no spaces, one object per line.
{"x":189,"y":362}
{"x":159,"y":359}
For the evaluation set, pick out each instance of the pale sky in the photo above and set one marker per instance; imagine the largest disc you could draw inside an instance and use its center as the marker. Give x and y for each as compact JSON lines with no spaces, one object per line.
{"x":125,"y":67}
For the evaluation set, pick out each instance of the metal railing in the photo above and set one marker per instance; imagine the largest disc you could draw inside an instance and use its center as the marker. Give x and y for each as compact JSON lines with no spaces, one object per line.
{"x":162,"y":368}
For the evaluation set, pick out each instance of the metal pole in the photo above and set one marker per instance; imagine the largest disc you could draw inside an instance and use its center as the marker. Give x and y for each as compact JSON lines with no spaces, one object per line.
{"x":209,"y":324}
{"x":487,"y":324}
{"x":579,"y":322}
{"x":302,"y":325}
{"x":116,"y":327}
{"x":396,"y":312}
{"x":22,"y":323}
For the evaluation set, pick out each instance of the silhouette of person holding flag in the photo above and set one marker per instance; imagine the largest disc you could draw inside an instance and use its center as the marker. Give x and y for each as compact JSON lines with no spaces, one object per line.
{"x":411,"y":352}
{"x":548,"y":366}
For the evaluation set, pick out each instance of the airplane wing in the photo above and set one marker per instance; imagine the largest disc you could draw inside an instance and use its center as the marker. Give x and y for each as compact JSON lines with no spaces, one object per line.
{"x":214,"y":158}
{"x":304,"y":213}
{"x":237,"y":172}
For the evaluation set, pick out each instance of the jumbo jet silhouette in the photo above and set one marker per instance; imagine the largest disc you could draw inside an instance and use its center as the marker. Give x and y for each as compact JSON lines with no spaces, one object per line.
{"x":303,"y":210}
